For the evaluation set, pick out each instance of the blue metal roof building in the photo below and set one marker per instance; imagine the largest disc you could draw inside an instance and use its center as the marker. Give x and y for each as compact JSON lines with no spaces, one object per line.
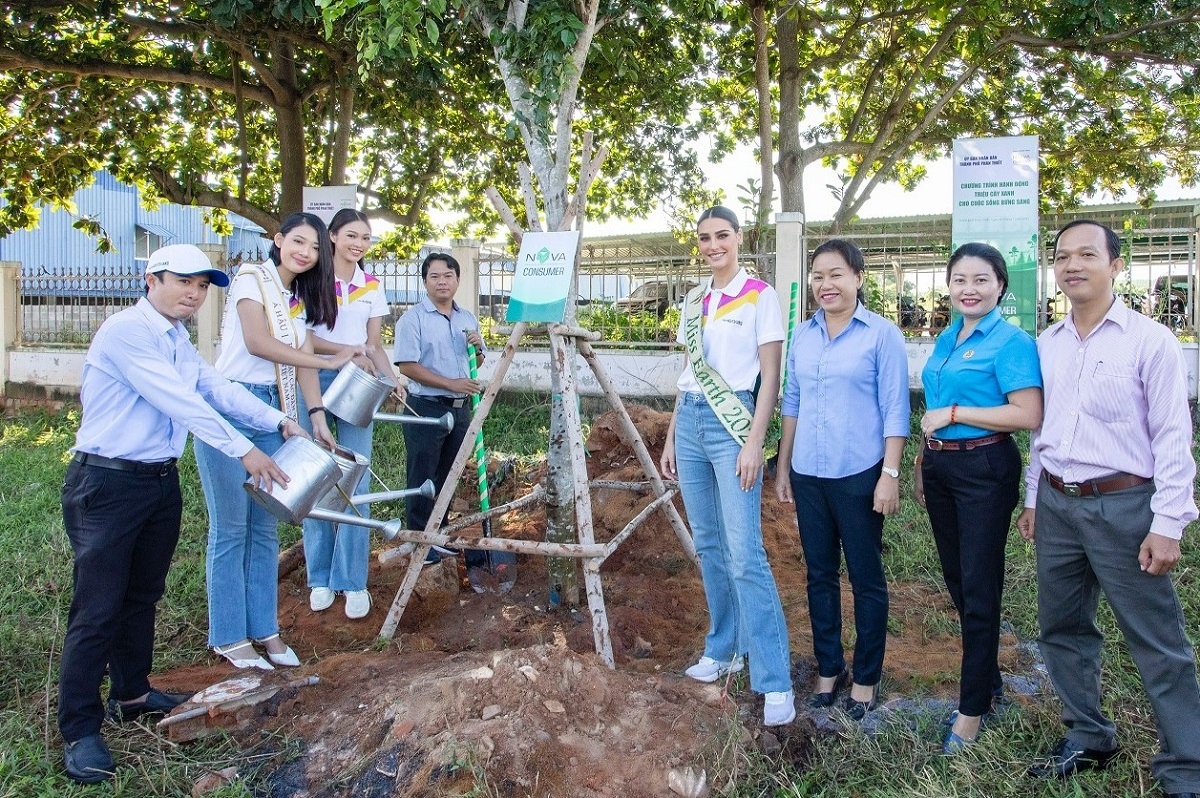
{"x":55,"y":249}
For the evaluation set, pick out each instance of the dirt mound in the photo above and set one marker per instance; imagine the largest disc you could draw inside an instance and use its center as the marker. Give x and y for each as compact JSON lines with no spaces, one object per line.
{"x":498,"y":687}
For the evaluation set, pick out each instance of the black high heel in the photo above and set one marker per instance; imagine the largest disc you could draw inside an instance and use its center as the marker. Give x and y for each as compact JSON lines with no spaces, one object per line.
{"x":826,"y":700}
{"x":857,"y":710}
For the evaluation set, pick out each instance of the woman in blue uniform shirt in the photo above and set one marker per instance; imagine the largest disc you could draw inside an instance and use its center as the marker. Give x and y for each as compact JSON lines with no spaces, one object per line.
{"x":982,"y":383}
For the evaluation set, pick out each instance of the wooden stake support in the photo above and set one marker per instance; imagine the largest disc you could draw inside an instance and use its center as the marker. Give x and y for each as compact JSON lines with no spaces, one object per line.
{"x":593,"y":554}
{"x":565,"y":341}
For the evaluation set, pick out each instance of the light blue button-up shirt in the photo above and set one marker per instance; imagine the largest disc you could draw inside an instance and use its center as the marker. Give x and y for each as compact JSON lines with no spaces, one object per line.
{"x":145,"y":386}
{"x":846,"y":395}
{"x":427,"y":336}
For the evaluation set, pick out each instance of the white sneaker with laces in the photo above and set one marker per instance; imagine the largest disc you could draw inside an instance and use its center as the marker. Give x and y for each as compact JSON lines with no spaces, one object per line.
{"x":779,"y":708}
{"x":320,"y":598}
{"x":709,"y":669}
{"x":358,"y":603}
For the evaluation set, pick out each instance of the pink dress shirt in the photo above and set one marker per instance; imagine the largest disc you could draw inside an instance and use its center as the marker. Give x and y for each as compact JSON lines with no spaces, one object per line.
{"x":1117,"y":401}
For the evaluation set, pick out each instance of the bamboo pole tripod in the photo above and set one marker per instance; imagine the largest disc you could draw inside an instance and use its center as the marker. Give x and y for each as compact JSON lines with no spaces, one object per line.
{"x":563,"y":339}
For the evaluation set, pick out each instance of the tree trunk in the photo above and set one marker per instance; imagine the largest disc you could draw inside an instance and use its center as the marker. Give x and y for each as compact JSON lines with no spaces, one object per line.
{"x":791,"y":151}
{"x":290,"y":119}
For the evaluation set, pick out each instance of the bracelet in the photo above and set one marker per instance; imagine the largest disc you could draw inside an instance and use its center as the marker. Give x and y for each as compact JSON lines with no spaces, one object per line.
{"x":317,"y":409}
{"x":953,"y":412}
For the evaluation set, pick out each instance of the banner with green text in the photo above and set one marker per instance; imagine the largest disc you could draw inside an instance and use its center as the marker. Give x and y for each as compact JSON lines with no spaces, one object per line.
{"x":996,"y":202}
{"x":543,"y":276}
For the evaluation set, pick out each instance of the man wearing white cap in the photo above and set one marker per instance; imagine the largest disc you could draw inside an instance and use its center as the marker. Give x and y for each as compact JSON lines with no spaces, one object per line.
{"x":144,"y":388}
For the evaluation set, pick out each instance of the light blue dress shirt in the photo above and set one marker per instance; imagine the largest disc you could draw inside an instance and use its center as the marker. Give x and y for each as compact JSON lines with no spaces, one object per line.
{"x":846,"y":395}
{"x":996,"y":359}
{"x":424,"y":335}
{"x":145,"y":386}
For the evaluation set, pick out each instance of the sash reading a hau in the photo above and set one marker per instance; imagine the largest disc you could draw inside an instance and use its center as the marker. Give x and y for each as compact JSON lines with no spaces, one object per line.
{"x":724,"y":402}
{"x":279,"y":320}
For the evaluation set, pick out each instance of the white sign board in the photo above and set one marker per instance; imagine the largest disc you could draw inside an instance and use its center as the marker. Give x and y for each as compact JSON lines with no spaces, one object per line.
{"x":324,"y":201}
{"x":543,"y":276}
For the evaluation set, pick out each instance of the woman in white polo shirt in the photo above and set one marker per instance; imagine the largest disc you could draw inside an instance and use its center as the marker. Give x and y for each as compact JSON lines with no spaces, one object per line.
{"x":336,"y":555}
{"x":264,"y":347}
{"x":733,"y":329}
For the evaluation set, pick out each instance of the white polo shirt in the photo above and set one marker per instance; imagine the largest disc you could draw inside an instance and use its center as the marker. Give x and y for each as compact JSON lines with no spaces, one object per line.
{"x":738,"y":319}
{"x":359,"y":300}
{"x":235,"y":361}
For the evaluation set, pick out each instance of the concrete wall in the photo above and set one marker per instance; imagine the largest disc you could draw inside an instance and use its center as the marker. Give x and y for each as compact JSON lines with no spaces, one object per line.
{"x":54,"y":372}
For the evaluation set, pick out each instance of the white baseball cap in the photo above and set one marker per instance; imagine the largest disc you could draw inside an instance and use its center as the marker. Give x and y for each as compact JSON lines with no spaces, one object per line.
{"x":185,"y":259}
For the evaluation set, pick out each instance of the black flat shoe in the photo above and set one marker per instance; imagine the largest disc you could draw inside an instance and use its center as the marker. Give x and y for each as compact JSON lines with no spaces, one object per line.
{"x":88,"y":761}
{"x":857,"y":710}
{"x":156,"y":702}
{"x":1067,"y":758}
{"x":826,"y":700}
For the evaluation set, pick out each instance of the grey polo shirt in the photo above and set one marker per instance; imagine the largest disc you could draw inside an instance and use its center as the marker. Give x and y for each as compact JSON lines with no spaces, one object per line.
{"x":424,"y":335}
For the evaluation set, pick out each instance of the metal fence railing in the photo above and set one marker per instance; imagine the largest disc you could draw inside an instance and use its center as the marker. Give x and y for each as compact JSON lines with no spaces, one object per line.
{"x":632,"y":294}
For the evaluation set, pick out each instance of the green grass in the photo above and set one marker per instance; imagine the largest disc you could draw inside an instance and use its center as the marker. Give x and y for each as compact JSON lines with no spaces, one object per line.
{"x":35,"y":577}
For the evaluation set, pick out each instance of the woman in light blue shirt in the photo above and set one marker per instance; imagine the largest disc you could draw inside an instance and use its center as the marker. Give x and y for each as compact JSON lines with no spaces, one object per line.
{"x":982,"y":383}
{"x":845,"y":418}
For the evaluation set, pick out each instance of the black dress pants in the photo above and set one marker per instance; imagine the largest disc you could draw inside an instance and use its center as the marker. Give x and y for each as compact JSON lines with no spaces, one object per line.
{"x":970,"y":496}
{"x":431,"y":451}
{"x":123,"y":528}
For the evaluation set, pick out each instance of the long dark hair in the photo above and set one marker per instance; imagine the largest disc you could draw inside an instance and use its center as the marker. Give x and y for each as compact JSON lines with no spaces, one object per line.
{"x":849,"y":252}
{"x":986,"y":253}
{"x":314,"y":287}
{"x":344,"y":217}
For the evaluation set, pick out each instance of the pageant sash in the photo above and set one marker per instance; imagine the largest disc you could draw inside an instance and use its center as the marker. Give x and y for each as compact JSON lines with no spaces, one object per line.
{"x":724,"y":402}
{"x":279,"y":320}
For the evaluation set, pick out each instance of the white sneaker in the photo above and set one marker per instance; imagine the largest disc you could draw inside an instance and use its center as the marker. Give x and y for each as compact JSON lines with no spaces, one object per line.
{"x":779,"y":708}
{"x":709,"y":670}
{"x":320,"y":598}
{"x":358,"y":603}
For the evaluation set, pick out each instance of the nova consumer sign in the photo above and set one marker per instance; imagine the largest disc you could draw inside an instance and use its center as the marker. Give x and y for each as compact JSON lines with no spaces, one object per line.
{"x":543,"y":276}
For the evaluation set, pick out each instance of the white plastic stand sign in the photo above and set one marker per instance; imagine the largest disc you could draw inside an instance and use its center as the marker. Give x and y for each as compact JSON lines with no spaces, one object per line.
{"x":324,"y":201}
{"x":543,"y":277}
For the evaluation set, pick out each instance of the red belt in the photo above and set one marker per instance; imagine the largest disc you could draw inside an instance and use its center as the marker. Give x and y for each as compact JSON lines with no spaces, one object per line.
{"x":1096,"y":487}
{"x":966,"y":444}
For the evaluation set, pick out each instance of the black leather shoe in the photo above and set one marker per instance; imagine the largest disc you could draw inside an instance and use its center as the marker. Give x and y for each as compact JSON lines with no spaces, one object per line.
{"x":1183,"y":795}
{"x":857,"y":710}
{"x":1068,"y":757}
{"x":826,"y":700}
{"x":88,"y":761}
{"x":155,"y":702}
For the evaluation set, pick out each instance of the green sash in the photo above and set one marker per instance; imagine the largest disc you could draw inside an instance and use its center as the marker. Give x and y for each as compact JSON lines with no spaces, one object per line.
{"x":734,"y":416}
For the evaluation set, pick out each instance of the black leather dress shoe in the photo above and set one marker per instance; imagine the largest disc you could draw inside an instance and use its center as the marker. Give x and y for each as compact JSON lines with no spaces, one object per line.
{"x":155,"y":702}
{"x":87,"y":760}
{"x":826,"y":700}
{"x":857,"y":710}
{"x":1068,"y":757}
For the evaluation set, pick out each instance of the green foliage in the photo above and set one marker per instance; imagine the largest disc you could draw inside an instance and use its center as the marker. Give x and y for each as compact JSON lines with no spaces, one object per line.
{"x":619,"y":325}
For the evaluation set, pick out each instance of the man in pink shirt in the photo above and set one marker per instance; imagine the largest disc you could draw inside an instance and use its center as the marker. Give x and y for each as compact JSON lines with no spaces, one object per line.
{"x":1110,"y":486}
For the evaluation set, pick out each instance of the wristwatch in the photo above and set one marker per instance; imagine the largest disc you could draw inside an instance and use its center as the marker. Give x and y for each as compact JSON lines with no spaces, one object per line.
{"x":894,"y":473}
{"x":282,"y":423}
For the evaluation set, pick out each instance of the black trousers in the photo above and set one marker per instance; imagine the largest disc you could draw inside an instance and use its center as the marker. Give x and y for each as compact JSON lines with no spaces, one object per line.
{"x":970,"y":496}
{"x":123,"y":529}
{"x":431,"y":451}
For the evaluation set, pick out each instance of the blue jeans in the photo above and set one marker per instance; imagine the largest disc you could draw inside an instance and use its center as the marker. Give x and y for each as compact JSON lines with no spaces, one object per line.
{"x":336,"y":555}
{"x":243,"y":541}
{"x":835,"y":516}
{"x":745,"y":615}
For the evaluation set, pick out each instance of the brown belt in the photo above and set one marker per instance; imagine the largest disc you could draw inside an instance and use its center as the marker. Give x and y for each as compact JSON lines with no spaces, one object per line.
{"x":1096,"y":487}
{"x":966,"y":444}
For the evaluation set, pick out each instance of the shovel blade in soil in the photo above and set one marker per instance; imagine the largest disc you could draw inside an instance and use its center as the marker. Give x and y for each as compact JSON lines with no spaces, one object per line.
{"x":496,"y":574}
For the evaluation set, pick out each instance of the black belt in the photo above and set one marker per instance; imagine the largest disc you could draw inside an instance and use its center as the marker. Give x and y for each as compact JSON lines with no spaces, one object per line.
{"x":965,"y":444}
{"x":161,"y":469}
{"x":448,"y":401}
{"x":1096,"y":487}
